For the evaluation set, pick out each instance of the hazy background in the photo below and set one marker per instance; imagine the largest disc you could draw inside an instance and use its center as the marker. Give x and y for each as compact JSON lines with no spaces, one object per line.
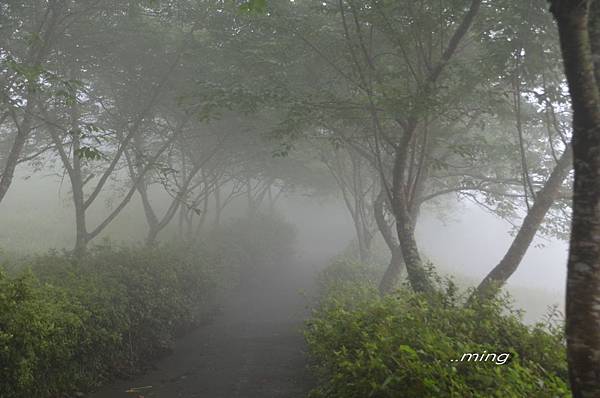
{"x":36,"y":216}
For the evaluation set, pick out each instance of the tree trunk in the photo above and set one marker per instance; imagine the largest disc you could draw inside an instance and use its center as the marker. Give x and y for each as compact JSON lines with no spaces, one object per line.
{"x":218,"y":209}
{"x":417,"y":275}
{"x":394,"y":269}
{"x":583,"y":269}
{"x":405,"y":223}
{"x":81,"y":234}
{"x":76,"y":177}
{"x":152,"y":236}
{"x":531,"y":223}
{"x":13,"y":157}
{"x":251,"y":211}
{"x":183,"y":217}
{"x":201,"y":220}
{"x":392,"y":273}
{"x":361,"y":238}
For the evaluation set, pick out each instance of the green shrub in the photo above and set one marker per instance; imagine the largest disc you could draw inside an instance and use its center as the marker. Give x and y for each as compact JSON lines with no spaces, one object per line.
{"x":38,"y":336}
{"x":68,"y":325}
{"x":348,"y":281}
{"x":407,"y":345}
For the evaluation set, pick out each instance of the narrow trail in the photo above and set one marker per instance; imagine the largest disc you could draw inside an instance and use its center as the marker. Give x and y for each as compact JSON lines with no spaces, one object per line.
{"x":253,"y":348}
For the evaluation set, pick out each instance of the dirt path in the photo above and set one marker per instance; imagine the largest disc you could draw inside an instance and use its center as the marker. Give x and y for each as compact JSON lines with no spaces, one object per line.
{"x":253,"y":349}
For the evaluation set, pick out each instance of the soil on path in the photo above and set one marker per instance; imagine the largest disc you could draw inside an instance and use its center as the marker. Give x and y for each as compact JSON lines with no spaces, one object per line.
{"x":253,"y":349}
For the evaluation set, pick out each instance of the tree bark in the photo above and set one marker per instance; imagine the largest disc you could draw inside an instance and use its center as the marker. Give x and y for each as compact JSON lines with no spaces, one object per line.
{"x":531,"y":224}
{"x":13,"y":157}
{"x":392,"y":273}
{"x":81,"y":237}
{"x":417,"y":275}
{"x":405,"y":223}
{"x":394,"y":269}
{"x":583,"y":269}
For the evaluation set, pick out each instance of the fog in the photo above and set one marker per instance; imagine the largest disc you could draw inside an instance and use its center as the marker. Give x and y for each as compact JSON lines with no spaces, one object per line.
{"x":38,"y":216}
{"x":209,"y":198}
{"x":459,"y":247}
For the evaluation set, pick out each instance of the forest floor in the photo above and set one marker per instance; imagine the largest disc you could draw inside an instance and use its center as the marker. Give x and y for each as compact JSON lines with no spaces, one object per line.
{"x":253,"y":348}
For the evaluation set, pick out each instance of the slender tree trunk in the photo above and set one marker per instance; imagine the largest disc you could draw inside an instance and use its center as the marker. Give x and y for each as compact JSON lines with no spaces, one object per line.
{"x":218,"y":208}
{"x":81,"y":234}
{"x":15,"y":152}
{"x":201,"y":219}
{"x":394,"y":269}
{"x":250,"y":202}
{"x":583,"y":269}
{"x":189,"y":223}
{"x":531,"y":223}
{"x":183,"y":218}
{"x":363,"y":248}
{"x":76,"y":177}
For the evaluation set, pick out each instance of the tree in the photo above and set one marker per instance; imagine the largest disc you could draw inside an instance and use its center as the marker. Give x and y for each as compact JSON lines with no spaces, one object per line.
{"x":357,"y":182}
{"x":119,"y":94}
{"x":540,"y":110}
{"x":579,"y":32}
{"x":31,"y":36}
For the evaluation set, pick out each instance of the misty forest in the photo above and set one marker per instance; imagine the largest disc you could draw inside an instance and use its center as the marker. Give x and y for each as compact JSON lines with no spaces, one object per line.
{"x":298,"y":198}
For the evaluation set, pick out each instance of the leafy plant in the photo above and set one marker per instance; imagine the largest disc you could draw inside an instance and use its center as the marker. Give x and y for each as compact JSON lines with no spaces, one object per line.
{"x":131,"y":302}
{"x":409,"y":345}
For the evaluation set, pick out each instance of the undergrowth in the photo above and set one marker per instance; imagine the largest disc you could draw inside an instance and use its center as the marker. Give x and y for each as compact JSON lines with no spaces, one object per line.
{"x":408,"y":345}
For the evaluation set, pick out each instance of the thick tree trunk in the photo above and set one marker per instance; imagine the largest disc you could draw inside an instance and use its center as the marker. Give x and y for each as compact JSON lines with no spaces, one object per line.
{"x":152,"y":236}
{"x":531,"y":224}
{"x":405,"y":223}
{"x":417,"y":276}
{"x":583,"y":270}
{"x":392,"y":272}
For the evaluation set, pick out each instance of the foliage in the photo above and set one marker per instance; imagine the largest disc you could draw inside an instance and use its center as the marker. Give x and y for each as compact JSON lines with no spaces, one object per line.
{"x":407,"y":344}
{"x":349,"y":280}
{"x":254,"y":6}
{"x":130,"y":302}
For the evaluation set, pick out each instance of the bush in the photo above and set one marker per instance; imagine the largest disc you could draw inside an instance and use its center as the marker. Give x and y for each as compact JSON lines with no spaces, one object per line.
{"x":348,"y":281}
{"x":68,"y":325}
{"x":407,"y":345}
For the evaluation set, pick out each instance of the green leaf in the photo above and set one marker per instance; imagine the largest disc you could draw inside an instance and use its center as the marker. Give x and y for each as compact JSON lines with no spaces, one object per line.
{"x":88,"y":153}
{"x":255,"y":6}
